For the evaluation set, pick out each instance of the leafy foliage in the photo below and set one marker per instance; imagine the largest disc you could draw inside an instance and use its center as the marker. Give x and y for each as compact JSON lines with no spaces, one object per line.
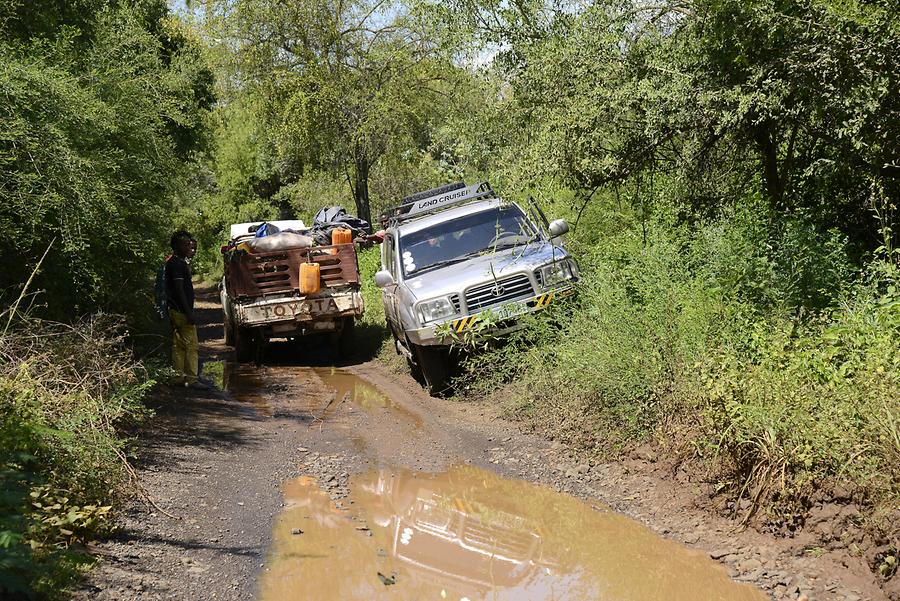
{"x":791,"y":406}
{"x":342,"y":85}
{"x":65,"y":394}
{"x":730,"y":168}
{"x":695,"y":338}
{"x":103,"y":107}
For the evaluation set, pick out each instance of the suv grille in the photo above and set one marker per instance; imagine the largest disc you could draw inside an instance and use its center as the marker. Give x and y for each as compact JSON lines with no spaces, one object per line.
{"x":482,"y":296}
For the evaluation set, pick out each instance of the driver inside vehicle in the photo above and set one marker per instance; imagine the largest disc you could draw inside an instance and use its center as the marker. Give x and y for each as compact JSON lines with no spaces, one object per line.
{"x":460,"y":234}
{"x":428,"y":250}
{"x":435,"y":241}
{"x":485,"y":232}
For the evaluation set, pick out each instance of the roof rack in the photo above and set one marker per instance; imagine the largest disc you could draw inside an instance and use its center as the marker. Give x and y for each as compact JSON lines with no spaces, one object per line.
{"x":452,"y":194}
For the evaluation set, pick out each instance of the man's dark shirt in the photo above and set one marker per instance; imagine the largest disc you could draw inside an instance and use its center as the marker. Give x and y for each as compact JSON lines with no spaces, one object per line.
{"x":178,"y":273}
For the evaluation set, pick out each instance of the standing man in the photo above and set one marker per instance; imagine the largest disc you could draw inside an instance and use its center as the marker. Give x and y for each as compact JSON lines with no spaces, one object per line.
{"x":180,"y":297}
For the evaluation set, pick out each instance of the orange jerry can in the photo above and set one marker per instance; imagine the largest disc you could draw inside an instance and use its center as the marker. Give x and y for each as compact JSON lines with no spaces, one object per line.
{"x":309,"y":278}
{"x":341,"y":236}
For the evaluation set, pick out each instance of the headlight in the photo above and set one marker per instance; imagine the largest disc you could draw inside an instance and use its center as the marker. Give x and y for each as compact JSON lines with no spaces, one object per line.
{"x":554,"y":273}
{"x":434,"y":309}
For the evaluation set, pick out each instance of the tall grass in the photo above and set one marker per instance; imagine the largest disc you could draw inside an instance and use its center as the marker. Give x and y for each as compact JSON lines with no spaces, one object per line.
{"x":789,"y":405}
{"x":598,"y":370}
{"x":764,"y":354}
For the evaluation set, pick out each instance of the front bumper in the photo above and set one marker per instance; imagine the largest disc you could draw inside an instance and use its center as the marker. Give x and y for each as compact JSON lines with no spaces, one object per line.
{"x":428,"y":335}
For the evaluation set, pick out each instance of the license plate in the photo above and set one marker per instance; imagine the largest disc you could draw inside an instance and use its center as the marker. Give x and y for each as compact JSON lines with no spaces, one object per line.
{"x":299,"y":309}
{"x":512,"y":309}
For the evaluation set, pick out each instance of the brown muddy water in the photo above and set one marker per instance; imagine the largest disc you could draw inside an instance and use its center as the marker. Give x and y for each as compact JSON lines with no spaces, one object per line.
{"x":317,"y":392}
{"x":468,"y":534}
{"x":463,"y":535}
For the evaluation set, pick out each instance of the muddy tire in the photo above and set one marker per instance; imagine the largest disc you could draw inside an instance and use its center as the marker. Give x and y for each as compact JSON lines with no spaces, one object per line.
{"x":342,"y":341}
{"x":400,"y":348}
{"x":415,"y":370}
{"x":348,"y":337}
{"x":246,"y":345}
{"x":229,"y":331}
{"x":434,"y":364}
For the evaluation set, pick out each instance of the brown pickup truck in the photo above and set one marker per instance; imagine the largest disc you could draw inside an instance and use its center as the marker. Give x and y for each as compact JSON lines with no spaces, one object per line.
{"x":262,"y":299}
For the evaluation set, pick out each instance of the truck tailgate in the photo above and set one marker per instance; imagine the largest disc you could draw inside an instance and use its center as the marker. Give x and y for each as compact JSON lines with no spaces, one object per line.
{"x":254,"y":275}
{"x":274,"y":310}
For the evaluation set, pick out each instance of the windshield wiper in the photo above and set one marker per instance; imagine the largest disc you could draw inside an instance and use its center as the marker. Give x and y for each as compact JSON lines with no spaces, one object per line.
{"x":447,"y":262}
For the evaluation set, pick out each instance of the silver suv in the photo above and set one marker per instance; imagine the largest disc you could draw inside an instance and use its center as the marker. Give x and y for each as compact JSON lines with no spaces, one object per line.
{"x":453,"y":253}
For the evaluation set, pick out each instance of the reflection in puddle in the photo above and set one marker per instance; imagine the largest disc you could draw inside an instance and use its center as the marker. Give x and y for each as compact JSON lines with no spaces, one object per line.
{"x":469,"y":534}
{"x":357,"y":390}
{"x":243,"y":382}
{"x":214,"y":371}
{"x":349,"y":387}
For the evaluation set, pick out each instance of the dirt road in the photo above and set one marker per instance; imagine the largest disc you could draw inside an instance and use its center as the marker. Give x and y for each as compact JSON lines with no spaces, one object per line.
{"x":305,"y":481}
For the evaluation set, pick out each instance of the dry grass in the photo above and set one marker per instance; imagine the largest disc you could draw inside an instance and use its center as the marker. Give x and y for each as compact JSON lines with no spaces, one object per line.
{"x":66,"y":394}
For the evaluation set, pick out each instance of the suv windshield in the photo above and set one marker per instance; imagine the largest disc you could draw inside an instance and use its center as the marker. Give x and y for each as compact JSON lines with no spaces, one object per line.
{"x":456,"y":239}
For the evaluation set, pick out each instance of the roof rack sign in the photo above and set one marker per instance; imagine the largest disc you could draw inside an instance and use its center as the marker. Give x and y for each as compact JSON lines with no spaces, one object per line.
{"x":433,"y":203}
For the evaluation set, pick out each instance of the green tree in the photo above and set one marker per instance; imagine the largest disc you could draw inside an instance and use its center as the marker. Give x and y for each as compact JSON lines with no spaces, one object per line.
{"x":104,"y":108}
{"x":797,"y":102}
{"x":344,"y":83}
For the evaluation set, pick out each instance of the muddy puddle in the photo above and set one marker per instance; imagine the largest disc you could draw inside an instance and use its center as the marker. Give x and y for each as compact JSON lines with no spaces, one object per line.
{"x":318,"y":394}
{"x":469,"y":534}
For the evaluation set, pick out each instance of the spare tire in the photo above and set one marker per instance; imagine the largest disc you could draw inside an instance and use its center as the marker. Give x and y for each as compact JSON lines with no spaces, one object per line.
{"x":433,"y":192}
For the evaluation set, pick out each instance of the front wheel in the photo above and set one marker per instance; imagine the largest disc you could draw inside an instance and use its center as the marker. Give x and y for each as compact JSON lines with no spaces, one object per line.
{"x":434,"y":363}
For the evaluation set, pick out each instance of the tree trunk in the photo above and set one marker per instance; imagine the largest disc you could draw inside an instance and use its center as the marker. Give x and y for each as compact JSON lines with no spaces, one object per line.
{"x":361,"y":190}
{"x":772,"y":182}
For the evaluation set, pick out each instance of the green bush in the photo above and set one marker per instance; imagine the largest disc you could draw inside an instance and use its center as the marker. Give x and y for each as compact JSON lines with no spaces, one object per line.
{"x":786,"y":266}
{"x":66,"y":393}
{"x":102,"y":111}
{"x":793,"y":404}
{"x":600,"y":368}
{"x":756,"y":344}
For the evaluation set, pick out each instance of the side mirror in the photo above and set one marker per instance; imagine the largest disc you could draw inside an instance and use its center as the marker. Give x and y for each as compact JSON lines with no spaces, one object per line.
{"x":558,"y":228}
{"x":383,"y":278}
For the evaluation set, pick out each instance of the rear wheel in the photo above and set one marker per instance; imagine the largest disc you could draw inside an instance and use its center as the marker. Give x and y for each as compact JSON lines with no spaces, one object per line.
{"x":229,"y":331}
{"x":247,"y":345}
{"x":434,"y":364}
{"x":343,"y":340}
{"x":348,"y":337}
